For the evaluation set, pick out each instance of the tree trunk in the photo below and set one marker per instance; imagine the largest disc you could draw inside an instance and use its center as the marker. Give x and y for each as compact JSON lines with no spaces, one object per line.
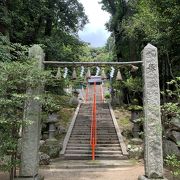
{"x":117,"y":38}
{"x":48,"y":29}
{"x":132,"y":50}
{"x":49,"y":18}
{"x":4,"y":27}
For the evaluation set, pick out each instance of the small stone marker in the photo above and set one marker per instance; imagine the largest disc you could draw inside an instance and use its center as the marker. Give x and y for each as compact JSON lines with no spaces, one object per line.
{"x":152,"y":123}
{"x":31,"y":131}
{"x":52,"y":119}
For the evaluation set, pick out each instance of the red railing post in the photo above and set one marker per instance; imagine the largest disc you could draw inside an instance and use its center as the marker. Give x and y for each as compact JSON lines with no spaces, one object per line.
{"x":95,"y":113}
{"x":94,"y":87}
{"x":93,"y":124}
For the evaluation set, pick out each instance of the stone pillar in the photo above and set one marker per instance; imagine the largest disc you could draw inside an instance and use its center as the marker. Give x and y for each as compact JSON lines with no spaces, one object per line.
{"x":31,"y":131}
{"x":152,"y":123}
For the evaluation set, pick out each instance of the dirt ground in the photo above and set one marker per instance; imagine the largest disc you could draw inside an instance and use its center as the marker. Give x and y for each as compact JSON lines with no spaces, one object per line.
{"x":126,"y":173}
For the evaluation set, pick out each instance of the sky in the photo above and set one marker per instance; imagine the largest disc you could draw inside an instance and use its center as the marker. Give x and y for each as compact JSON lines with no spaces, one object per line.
{"x":94,"y":32}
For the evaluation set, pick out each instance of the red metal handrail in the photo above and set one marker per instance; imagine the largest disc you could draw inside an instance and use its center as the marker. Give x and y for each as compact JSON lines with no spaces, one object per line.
{"x":93,"y":139}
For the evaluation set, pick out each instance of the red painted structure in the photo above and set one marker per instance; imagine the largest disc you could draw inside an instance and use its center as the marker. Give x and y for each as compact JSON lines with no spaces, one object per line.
{"x":93,"y":140}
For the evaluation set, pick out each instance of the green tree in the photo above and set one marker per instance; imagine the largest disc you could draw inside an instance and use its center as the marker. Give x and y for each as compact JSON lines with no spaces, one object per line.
{"x":147,"y":21}
{"x":54,"y":23}
{"x":17,"y":73}
{"x":117,"y":9}
{"x":95,"y":54}
{"x":157,"y":22}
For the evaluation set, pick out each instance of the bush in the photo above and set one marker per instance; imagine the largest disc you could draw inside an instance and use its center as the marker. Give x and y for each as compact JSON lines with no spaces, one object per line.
{"x":107,"y":96}
{"x":173,"y":163}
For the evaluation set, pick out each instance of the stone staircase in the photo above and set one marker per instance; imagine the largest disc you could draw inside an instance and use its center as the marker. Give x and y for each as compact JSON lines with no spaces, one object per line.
{"x":98,"y":93}
{"x":110,"y":143}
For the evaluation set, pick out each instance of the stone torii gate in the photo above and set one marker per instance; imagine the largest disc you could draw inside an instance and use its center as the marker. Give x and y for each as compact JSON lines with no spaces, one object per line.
{"x":152,"y":124}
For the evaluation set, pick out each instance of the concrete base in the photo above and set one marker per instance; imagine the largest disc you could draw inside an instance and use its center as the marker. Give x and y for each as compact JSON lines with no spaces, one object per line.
{"x":38,"y":177}
{"x":146,"y":178}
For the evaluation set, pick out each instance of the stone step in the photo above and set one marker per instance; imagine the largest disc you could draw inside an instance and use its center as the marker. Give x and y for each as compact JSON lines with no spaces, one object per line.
{"x":88,"y":142}
{"x":97,"y":152}
{"x":85,"y":124}
{"x":82,"y":132}
{"x":100,"y":121}
{"x":84,"y":116}
{"x":105,"y":123}
{"x":84,"y":120}
{"x":89,"y":114}
{"x":97,"y":148}
{"x":98,"y":137}
{"x":101,"y":113}
{"x":97,"y":127}
{"x":106,"y":136}
{"x":87,"y":165}
{"x":98,"y":117}
{"x":105,"y":117}
{"x":81,"y":122}
{"x":89,"y":134}
{"x":79,"y":145}
{"x":98,"y":145}
{"x":80,"y":125}
{"x":89,"y":131}
{"x":98,"y":141}
{"x":98,"y":131}
{"x":82,"y":109}
{"x":100,"y":156}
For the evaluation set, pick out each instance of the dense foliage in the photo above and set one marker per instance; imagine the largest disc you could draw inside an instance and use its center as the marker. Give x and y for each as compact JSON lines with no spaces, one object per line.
{"x":95,"y":54}
{"x":135,"y":23}
{"x":17,"y":73}
{"x":54,"y":23}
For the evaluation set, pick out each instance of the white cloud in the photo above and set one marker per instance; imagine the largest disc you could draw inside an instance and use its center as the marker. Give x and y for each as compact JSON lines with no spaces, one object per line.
{"x":94,"y":32}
